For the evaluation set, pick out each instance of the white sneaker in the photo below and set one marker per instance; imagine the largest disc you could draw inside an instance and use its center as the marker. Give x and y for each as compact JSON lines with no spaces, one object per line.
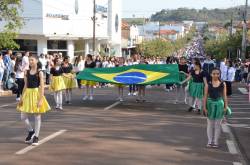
{"x":167,"y":90}
{"x":121,"y":100}
{"x":135,"y":93}
{"x":91,"y":98}
{"x":85,"y":98}
{"x":18,"y":99}
{"x":129,"y":94}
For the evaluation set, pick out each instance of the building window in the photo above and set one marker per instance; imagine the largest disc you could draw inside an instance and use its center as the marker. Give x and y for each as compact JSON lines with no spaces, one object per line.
{"x":57,"y":44}
{"x":27,"y":45}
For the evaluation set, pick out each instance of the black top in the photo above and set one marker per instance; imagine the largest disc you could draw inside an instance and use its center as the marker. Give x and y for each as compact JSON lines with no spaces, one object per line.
{"x":198,"y":78}
{"x":183,"y":68}
{"x":215,"y":92}
{"x":67,"y":69}
{"x":56,"y":72}
{"x":33,"y":81}
{"x":91,"y":65}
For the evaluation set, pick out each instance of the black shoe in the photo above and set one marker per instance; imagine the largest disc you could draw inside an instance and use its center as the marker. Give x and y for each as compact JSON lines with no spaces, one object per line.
{"x":30,"y":136}
{"x":35,"y":141}
{"x":198,"y":111}
{"x":190,"y":109}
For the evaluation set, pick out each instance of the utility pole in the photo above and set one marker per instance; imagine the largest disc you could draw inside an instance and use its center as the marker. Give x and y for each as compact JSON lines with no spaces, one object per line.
{"x":159,"y":29}
{"x":231,"y":26}
{"x":244,"y":36}
{"x":94,"y":25}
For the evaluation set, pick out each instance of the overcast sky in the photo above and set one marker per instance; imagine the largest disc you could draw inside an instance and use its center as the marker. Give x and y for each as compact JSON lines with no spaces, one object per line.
{"x":144,"y":8}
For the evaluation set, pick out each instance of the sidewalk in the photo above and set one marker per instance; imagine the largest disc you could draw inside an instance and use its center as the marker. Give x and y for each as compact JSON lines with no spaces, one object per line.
{"x":240,"y":120}
{"x":5,"y":93}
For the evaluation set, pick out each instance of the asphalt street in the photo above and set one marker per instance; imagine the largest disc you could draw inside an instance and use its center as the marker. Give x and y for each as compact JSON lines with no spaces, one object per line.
{"x":107,"y":132}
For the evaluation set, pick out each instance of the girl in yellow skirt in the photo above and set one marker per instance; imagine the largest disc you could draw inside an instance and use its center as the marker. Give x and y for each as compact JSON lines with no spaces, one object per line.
{"x":89,"y":63}
{"x":33,"y":101}
{"x":69,"y":79}
{"x":57,"y":83}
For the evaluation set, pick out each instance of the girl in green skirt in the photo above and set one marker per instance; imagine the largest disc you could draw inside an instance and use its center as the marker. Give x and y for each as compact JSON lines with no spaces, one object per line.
{"x":215,"y":106}
{"x":197,"y":79}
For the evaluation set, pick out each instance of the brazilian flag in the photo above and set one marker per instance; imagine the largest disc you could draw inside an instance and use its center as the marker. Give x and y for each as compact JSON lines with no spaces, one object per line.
{"x":136,"y":74}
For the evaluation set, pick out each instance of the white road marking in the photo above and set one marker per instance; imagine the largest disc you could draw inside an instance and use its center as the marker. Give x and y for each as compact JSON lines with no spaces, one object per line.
{"x":7,"y":105}
{"x":225,"y":128}
{"x":237,"y":163}
{"x":241,"y":112}
{"x":241,"y":108}
{"x":113,"y":105}
{"x":239,"y":104}
{"x":50,"y":137}
{"x":240,"y":125}
{"x":239,"y":101}
{"x":243,"y":91}
{"x":231,"y":147}
{"x":240,"y":118}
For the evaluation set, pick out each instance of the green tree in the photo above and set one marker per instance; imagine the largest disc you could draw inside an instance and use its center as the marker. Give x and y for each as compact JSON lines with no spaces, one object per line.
{"x":10,"y":13}
{"x":219,"y":47}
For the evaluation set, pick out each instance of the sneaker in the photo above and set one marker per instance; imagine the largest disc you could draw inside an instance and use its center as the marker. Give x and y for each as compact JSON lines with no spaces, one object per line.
{"x":198,"y":111}
{"x":190,"y":109}
{"x":121,"y":100}
{"x":167,"y":90}
{"x":35,"y":141}
{"x":209,"y":145}
{"x":129,"y":94}
{"x":60,"y":108}
{"x":91,"y":98}
{"x":30,"y":137}
{"x":85,"y":98}
{"x":18,"y":99}
{"x":215,"y":146}
{"x":135,"y":93}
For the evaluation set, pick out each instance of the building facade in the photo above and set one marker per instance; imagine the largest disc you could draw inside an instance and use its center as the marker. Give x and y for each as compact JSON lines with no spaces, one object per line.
{"x":67,"y":26}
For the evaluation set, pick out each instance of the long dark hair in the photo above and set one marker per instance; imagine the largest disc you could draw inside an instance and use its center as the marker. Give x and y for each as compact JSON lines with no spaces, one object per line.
{"x":216,"y":69}
{"x":198,"y":64}
{"x":18,"y":63}
{"x":39,"y":64}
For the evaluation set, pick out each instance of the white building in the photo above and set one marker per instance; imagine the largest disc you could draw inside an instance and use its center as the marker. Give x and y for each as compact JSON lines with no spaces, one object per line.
{"x":66,"y":26}
{"x":151,"y":28}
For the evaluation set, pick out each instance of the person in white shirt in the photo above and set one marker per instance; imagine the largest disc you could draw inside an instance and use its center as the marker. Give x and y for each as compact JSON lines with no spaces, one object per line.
{"x":25,"y":61}
{"x":19,"y":69}
{"x":2,"y":68}
{"x":12,"y":64}
{"x":79,"y":66}
{"x":43,"y":62}
{"x":228,"y":75}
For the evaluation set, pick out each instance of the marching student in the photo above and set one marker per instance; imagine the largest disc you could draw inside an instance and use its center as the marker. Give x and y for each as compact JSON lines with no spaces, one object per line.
{"x":197,"y":79}
{"x":33,"y":101}
{"x":183,"y":69}
{"x":57,"y":83}
{"x":228,"y":75}
{"x":68,"y":78}
{"x":120,"y":63}
{"x":89,"y":63}
{"x":215,"y":106}
{"x":142,"y":88}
